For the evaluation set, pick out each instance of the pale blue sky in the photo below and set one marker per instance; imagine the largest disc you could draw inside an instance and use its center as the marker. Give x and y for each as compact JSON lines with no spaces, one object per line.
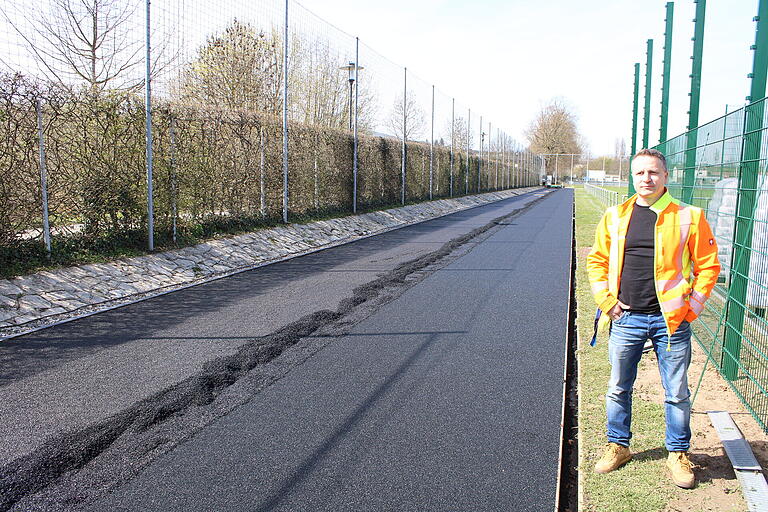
{"x":582,"y":51}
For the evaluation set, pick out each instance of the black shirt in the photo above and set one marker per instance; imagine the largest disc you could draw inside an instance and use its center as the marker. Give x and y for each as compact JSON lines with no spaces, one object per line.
{"x":636,"y":288}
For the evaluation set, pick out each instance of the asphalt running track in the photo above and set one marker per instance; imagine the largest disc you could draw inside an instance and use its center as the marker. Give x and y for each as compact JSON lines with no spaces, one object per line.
{"x":446,"y":397}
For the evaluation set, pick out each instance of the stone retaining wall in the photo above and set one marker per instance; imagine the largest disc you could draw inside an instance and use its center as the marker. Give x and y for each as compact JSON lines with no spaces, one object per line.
{"x":31,"y":301}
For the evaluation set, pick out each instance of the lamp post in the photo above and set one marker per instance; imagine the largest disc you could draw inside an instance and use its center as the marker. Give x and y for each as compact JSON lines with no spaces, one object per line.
{"x":479,"y":162}
{"x":350,"y":68}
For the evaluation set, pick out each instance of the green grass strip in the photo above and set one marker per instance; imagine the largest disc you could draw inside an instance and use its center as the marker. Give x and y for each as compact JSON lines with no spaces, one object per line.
{"x":642,"y":485}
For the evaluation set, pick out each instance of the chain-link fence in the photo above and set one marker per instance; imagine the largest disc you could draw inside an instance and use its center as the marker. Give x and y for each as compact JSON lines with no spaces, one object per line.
{"x":248,"y":126}
{"x":721,"y":167}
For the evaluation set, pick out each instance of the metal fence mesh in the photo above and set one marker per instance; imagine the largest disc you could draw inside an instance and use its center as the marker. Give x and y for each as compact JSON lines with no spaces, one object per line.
{"x":722,"y":167}
{"x":217,"y":72}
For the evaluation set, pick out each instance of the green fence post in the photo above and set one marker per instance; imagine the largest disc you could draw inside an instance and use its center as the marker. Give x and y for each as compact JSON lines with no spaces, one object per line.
{"x":647,"y":113}
{"x":747,"y":193}
{"x":665,"y":73}
{"x":635,"y":108}
{"x":689,"y":178}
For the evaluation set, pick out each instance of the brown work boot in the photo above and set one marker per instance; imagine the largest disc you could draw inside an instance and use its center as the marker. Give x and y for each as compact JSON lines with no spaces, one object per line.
{"x":680,"y":466}
{"x":614,"y":457}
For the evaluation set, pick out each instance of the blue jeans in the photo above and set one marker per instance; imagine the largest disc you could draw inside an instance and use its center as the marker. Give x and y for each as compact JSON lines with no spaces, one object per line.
{"x":628,"y":335}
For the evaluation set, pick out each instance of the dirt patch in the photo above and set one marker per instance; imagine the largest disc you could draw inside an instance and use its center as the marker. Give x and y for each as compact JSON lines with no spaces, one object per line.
{"x":717,"y":487}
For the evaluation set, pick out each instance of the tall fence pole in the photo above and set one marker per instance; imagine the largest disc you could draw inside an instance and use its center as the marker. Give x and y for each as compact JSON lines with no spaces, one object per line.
{"x":689,"y":177}
{"x":405,"y":107}
{"x":480,"y":157}
{"x":285,"y":116}
{"x":505,"y":165}
{"x":747,"y":194}
{"x":174,"y":182}
{"x":648,"y":71}
{"x":528,"y":163}
{"x":432,"y":143}
{"x":504,"y":183}
{"x":489,"y":157}
{"x":510,"y":161}
{"x":500,"y":141}
{"x":512,"y":164}
{"x":524,"y":168}
{"x":469,"y":132}
{"x":354,"y":164}
{"x":496,"y":162}
{"x":453,"y":125}
{"x":148,"y":136}
{"x":635,"y":109}
{"x":517,"y":159}
{"x":667,"y":65}
{"x":262,"y":173}
{"x":43,"y":176}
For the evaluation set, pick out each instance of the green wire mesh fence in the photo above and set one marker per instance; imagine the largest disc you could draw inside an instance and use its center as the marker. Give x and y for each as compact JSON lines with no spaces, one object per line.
{"x":725,"y":174}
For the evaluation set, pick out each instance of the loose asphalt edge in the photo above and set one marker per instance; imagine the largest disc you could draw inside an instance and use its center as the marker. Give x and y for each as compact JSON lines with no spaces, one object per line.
{"x":75,"y":468}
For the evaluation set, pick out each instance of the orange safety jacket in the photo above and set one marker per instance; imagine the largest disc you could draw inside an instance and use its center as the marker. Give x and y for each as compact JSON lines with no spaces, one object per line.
{"x":685,"y":260}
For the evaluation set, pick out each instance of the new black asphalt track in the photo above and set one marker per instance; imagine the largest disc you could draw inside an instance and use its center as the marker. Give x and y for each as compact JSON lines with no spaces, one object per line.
{"x":96,"y":386}
{"x":447,"y":398}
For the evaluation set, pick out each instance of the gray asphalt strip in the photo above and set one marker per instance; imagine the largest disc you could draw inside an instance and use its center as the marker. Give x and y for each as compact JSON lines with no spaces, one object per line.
{"x":446,"y":398}
{"x":93,"y":386}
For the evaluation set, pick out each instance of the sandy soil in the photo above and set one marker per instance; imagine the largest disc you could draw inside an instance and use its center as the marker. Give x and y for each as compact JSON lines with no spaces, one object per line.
{"x":717,"y":487}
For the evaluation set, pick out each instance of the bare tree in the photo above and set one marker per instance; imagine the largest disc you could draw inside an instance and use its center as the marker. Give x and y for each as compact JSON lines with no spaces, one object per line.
{"x":414,"y":118}
{"x":320,"y":90}
{"x":88,"y":40}
{"x":620,"y":154}
{"x":620,"y":148}
{"x":553,"y":131}
{"x":460,"y":135}
{"x":238,"y":69}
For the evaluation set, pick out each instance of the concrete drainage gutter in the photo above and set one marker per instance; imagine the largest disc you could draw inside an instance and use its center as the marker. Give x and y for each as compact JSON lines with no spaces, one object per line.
{"x":32,"y":302}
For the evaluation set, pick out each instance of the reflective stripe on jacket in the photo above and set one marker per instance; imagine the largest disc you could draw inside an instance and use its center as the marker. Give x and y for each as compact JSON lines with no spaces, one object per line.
{"x":685,"y":259}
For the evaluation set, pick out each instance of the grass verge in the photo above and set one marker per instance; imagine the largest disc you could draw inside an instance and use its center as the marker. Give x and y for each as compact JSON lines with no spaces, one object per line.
{"x":642,"y":485}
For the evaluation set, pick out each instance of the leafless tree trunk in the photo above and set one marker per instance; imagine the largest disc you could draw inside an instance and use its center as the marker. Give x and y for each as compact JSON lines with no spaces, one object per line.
{"x":414,"y":119}
{"x":94,"y":41}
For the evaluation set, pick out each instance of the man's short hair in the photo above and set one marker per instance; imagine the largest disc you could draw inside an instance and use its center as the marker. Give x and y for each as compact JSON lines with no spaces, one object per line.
{"x":655,"y":153}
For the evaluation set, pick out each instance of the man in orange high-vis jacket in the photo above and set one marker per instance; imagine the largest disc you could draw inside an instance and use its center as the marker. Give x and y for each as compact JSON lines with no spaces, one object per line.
{"x":651,"y":269}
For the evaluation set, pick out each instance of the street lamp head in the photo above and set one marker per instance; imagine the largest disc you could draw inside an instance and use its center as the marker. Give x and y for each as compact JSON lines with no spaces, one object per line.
{"x":350,"y":68}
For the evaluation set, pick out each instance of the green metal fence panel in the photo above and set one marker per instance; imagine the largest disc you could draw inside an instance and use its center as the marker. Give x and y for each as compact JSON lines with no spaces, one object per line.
{"x":648,"y":76}
{"x":665,"y":74}
{"x":728,"y":181}
{"x":635,"y":107}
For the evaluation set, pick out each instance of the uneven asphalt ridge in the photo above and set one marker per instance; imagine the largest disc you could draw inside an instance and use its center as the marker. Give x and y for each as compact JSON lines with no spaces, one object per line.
{"x":79,"y":464}
{"x":446,"y":398}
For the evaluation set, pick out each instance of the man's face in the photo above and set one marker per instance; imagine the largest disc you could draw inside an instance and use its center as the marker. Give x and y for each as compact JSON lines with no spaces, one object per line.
{"x":649,"y":178}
